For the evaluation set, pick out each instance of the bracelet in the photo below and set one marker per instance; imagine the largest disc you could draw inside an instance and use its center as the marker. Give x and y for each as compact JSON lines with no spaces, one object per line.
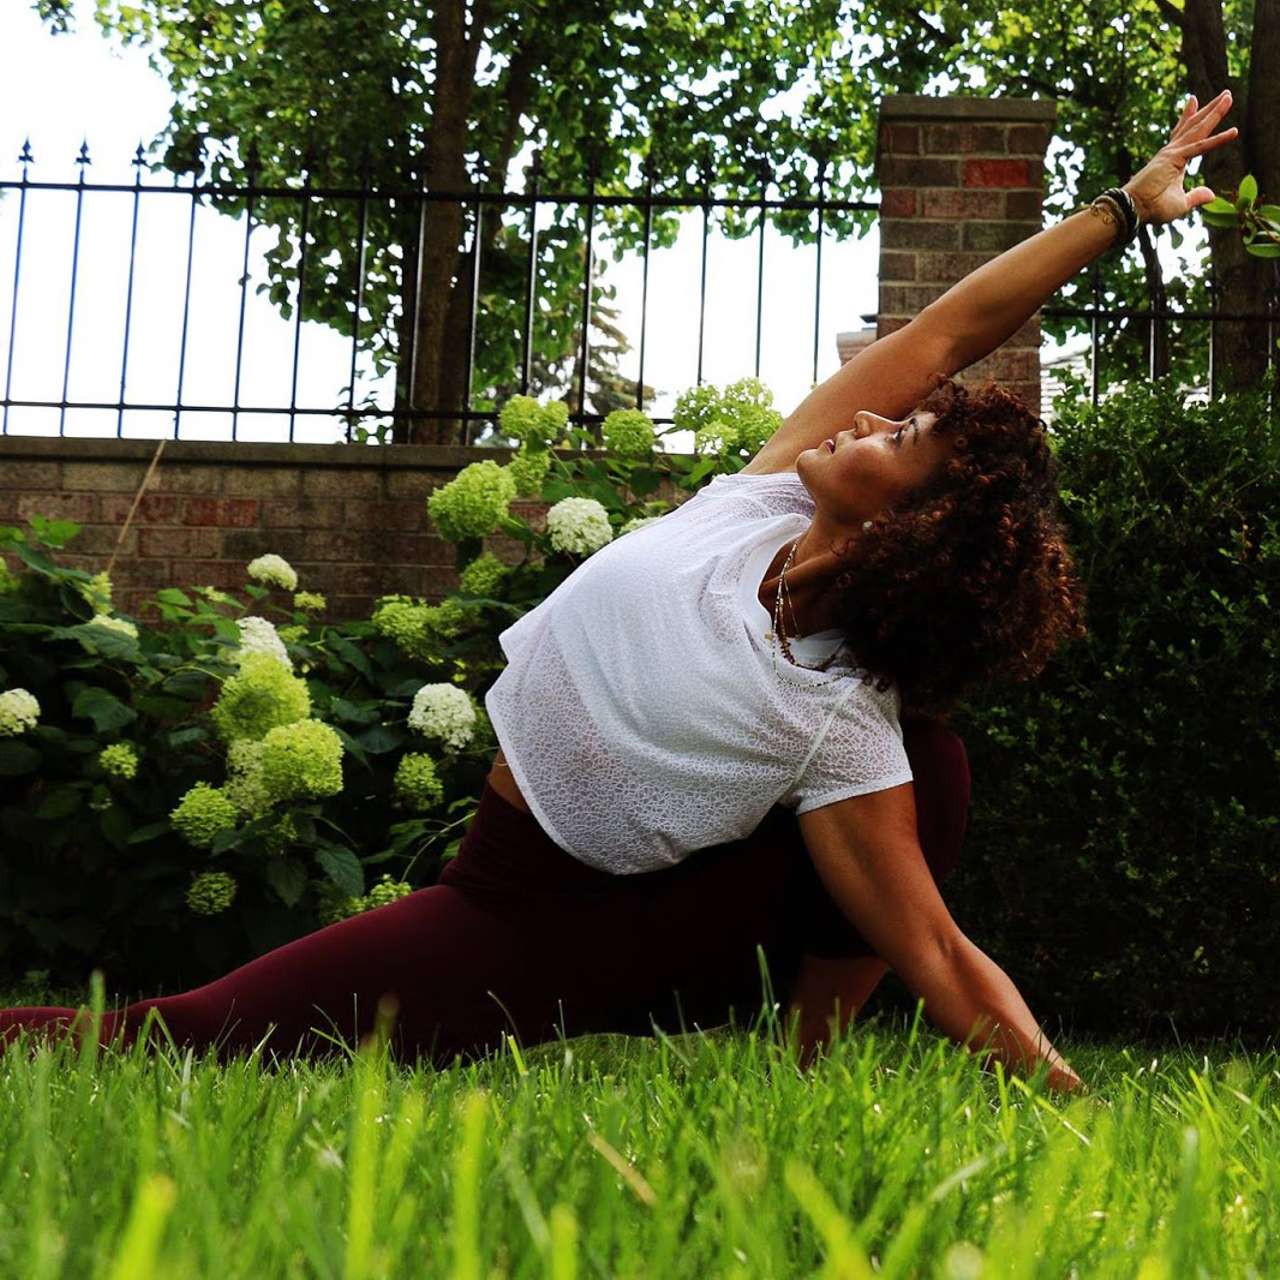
{"x":1128,"y":207}
{"x":1117,"y":209}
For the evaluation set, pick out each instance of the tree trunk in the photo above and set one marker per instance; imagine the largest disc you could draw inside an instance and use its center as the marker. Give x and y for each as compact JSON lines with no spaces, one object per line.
{"x":436,"y":376}
{"x":1240,"y":348}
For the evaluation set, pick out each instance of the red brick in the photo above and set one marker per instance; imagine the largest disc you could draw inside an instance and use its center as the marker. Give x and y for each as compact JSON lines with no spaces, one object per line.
{"x":902,"y":233}
{"x":405,"y":514}
{"x":100,"y":539}
{"x":996,"y":237}
{"x":947,"y":268}
{"x":261,"y":482}
{"x":898,"y":202}
{"x":180,"y":542}
{"x":403,"y":484}
{"x":1028,"y":205}
{"x":141,"y":573}
{"x":896,"y":265}
{"x":949,"y":203}
{"x":885,"y":325}
{"x":380,"y":579}
{"x":81,"y":507}
{"x":247,"y":544}
{"x":1007,"y":365}
{"x":224,"y":574}
{"x":301,"y":513}
{"x":27,"y":473}
{"x":1028,"y":139}
{"x":181,"y":477}
{"x":1001,"y":173}
{"x":953,"y":139}
{"x":97,"y":476}
{"x":227,"y":513}
{"x":906,"y":299}
{"x":900,"y":139}
{"x":342,"y":482}
{"x":919,"y":171}
{"x":153,"y":508}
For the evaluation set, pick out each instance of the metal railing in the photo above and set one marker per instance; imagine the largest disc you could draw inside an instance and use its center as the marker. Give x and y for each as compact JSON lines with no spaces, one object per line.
{"x":366,"y":196}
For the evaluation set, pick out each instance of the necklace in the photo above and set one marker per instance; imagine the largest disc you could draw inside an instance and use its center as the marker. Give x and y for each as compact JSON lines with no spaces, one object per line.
{"x":777,"y":633}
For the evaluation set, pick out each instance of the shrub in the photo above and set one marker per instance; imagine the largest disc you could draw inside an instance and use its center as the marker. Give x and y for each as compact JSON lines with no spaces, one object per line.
{"x":1123,"y":858}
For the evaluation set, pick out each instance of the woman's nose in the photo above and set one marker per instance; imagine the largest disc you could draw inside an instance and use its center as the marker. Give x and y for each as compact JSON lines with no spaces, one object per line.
{"x":865,"y":423}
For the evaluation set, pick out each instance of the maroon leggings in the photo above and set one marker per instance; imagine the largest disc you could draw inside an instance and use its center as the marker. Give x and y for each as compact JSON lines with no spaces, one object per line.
{"x":520,"y":937}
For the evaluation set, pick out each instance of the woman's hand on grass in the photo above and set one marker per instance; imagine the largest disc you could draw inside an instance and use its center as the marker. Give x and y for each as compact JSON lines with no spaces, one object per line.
{"x":1157,"y":189}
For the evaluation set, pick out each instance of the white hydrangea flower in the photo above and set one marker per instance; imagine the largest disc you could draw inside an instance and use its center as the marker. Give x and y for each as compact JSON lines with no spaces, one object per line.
{"x":444,"y":711}
{"x":19,"y":712}
{"x":258,"y":635}
{"x":579,"y":525}
{"x":638,"y":523}
{"x":122,"y":625}
{"x":275,"y":571}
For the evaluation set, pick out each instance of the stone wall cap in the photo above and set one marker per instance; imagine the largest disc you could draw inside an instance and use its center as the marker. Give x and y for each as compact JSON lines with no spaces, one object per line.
{"x":429,"y":457}
{"x":923,"y":106}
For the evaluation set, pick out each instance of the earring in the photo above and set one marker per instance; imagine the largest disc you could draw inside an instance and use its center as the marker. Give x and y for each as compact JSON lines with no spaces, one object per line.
{"x":866,"y":524}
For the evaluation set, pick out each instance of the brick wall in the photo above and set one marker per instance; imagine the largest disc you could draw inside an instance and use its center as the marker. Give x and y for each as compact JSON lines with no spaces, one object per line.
{"x":352,"y":520}
{"x":960,"y":182}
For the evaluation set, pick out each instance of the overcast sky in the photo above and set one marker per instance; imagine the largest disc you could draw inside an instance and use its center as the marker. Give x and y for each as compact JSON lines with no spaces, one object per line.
{"x":60,"y":90}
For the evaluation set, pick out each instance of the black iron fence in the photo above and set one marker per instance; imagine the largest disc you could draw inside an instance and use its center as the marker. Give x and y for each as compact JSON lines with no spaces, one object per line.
{"x":364,"y":198}
{"x":367,"y":197}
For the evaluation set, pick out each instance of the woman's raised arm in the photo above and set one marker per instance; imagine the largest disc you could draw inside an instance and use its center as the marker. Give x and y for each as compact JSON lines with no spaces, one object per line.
{"x":993,"y":302}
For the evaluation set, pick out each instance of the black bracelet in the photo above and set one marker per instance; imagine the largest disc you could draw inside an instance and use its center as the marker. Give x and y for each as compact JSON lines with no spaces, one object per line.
{"x":1128,"y":209}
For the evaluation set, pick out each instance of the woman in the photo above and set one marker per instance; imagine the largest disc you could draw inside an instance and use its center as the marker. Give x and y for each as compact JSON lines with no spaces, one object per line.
{"x":703,"y":771}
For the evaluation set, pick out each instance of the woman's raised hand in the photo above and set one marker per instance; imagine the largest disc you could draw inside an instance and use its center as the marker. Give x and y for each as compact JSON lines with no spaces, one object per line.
{"x":1157,"y":189}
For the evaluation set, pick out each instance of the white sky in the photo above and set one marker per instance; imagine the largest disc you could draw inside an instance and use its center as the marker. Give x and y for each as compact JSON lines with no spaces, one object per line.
{"x":58,"y":90}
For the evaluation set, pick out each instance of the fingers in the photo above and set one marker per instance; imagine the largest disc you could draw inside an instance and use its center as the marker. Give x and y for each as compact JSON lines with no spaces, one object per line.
{"x":1180,"y":127}
{"x":1200,"y":145}
{"x":1204,"y":119}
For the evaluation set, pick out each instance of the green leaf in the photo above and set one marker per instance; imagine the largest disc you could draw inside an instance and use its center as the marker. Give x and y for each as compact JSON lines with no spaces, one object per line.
{"x":189,"y":684}
{"x":17,"y":758}
{"x":342,"y":867}
{"x":41,"y":564}
{"x":53,"y":533}
{"x":183,"y":737}
{"x":142,"y":834}
{"x":288,"y":877}
{"x":105,"y":710}
{"x":1215,"y":219}
{"x":107,"y":641}
{"x":381,"y":738}
{"x":1219,"y":205}
{"x":1247,"y":192}
{"x":115,"y":826}
{"x":1263,"y":249}
{"x":172,"y":595}
{"x":61,"y":802}
{"x":225,"y":840}
{"x":355,"y":712}
{"x":351,"y":654}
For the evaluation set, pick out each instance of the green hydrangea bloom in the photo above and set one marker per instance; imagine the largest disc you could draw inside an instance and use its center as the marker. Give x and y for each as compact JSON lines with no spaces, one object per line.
{"x":629,"y":433}
{"x":122,"y":625}
{"x":735,"y":418}
{"x":310,"y":601}
{"x":638,"y":522}
{"x":202,"y":813}
{"x":387,"y":890}
{"x":419,"y":629}
{"x":529,"y":471}
{"x":261,"y":696}
{"x":97,"y":592}
{"x":293,"y":634}
{"x":303,"y":759}
{"x":473,"y":502}
{"x":211,"y":892}
{"x":417,"y":783}
{"x":19,"y":711}
{"x":120,"y":760}
{"x":333,"y":905}
{"x":524,"y":419}
{"x":483,"y":575}
{"x":245,"y":786}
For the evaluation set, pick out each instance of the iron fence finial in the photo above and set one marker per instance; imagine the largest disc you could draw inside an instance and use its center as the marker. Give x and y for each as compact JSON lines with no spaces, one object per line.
{"x":24,"y":156}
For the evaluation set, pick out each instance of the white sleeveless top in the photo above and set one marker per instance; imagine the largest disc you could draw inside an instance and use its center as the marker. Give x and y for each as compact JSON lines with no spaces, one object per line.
{"x":641,"y":712}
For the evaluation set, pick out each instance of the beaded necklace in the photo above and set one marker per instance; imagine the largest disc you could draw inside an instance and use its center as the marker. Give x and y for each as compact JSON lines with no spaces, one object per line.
{"x":777,"y":633}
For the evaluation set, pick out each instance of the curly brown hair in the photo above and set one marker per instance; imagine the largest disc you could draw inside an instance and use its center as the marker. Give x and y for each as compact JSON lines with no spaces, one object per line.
{"x":970,"y":578}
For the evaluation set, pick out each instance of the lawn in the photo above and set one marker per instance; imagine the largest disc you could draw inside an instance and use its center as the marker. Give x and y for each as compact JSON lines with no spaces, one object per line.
{"x":707,"y":1154}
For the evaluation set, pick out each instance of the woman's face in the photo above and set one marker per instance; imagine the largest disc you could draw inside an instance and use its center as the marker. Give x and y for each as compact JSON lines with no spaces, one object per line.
{"x":875,"y":464}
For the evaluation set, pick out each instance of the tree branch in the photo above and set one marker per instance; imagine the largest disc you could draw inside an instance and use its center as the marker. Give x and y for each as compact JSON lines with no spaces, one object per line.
{"x":1175,"y":16}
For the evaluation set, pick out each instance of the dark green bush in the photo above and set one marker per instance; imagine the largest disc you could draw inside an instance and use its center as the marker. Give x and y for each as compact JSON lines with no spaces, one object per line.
{"x":1123,"y":856}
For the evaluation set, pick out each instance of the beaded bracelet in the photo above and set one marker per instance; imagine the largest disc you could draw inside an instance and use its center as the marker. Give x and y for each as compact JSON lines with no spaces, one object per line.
{"x":1116,"y":208}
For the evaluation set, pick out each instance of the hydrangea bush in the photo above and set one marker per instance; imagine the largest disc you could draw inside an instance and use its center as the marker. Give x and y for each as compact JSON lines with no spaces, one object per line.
{"x":235,"y":774}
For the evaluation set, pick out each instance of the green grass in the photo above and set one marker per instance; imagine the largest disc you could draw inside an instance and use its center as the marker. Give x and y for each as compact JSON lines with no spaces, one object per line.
{"x":704,"y":1155}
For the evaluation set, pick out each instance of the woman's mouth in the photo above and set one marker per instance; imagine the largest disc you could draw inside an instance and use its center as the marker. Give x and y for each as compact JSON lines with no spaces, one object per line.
{"x":829,"y":443}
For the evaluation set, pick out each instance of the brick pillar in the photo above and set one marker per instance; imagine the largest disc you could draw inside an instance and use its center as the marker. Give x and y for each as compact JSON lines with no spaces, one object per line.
{"x":960,"y":182}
